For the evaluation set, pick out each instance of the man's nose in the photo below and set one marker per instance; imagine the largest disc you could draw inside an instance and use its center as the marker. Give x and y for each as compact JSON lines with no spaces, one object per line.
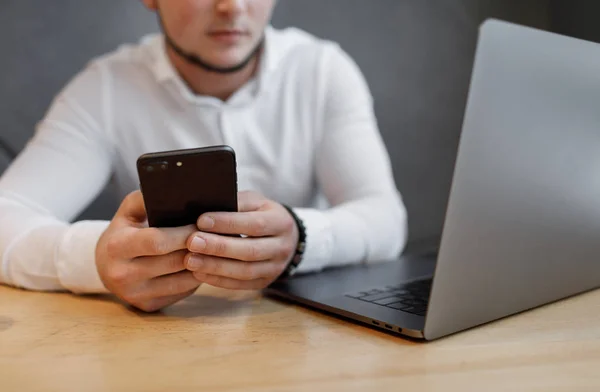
{"x":231,"y":6}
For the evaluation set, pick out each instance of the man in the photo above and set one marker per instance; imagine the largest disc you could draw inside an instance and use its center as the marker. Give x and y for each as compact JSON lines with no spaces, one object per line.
{"x":295,"y":108}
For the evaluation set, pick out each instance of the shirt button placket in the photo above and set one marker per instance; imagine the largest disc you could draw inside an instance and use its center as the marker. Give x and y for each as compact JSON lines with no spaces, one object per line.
{"x":226,"y":125}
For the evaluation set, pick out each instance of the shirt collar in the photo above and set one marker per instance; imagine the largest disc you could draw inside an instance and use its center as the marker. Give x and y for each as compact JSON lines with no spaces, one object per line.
{"x":164,"y":70}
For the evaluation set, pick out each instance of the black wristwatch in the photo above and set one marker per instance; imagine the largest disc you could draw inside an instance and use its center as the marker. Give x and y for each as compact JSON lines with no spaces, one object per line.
{"x":297,"y":258}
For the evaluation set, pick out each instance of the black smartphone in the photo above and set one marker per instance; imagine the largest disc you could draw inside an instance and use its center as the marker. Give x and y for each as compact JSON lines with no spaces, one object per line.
{"x":180,"y":185}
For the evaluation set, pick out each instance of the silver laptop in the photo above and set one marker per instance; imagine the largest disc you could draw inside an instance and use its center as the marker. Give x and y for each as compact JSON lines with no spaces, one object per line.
{"x":522,"y":226}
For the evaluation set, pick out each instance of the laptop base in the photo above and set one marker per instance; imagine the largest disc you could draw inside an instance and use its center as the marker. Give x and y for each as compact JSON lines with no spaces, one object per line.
{"x":332,"y":291}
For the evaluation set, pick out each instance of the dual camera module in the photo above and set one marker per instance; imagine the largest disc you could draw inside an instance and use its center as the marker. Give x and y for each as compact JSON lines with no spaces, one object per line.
{"x":159,"y":166}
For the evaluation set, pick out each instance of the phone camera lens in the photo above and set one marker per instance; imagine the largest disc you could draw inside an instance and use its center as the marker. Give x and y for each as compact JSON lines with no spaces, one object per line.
{"x":163,"y":166}
{"x":149,"y":169}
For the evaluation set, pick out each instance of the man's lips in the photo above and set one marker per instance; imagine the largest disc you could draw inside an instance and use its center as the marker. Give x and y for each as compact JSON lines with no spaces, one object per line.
{"x":227,"y":36}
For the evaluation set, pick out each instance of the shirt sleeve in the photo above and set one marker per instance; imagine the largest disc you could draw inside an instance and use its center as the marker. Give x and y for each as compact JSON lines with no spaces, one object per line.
{"x":60,"y":171}
{"x":367,"y":220}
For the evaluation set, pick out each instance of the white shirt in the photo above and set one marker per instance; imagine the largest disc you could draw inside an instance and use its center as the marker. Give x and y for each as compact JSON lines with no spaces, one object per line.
{"x":303,"y":130}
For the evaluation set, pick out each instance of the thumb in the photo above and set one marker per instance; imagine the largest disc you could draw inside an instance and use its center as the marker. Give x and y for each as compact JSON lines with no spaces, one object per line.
{"x":132,"y":208}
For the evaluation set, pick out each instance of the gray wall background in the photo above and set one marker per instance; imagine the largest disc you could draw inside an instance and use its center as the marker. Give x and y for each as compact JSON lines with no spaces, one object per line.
{"x":416,"y":55}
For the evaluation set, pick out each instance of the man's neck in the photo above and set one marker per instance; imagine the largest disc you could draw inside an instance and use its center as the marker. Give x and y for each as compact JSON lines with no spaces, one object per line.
{"x":207,"y":83}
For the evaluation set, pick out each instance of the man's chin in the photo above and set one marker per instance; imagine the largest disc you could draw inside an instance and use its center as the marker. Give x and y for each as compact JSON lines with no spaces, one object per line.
{"x":226,"y":64}
{"x":223,"y":62}
{"x":230,"y":63}
{"x":228,"y":59}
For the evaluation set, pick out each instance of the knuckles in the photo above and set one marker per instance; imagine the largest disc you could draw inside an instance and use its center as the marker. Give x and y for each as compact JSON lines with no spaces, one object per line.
{"x":120,"y":275}
{"x":220,"y":247}
{"x":248,"y":272}
{"x":285,"y":251}
{"x":254,"y":253}
{"x":153,"y":242}
{"x":259,"y":227}
{"x":114,"y":247}
{"x":288,"y":224}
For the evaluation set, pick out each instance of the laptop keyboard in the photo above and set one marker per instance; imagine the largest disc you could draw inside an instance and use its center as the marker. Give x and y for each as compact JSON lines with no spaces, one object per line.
{"x":411,"y":297}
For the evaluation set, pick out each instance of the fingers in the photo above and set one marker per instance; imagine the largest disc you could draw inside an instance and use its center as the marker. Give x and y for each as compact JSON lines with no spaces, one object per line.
{"x":126,"y":276}
{"x":233,"y":284}
{"x":149,"y":267}
{"x":144,"y":266}
{"x":155,"y":293}
{"x":250,"y":201}
{"x":245,"y":249}
{"x":159,"y":303}
{"x":170,"y":285}
{"x":151,"y":241}
{"x":234,"y":269}
{"x":252,"y":224}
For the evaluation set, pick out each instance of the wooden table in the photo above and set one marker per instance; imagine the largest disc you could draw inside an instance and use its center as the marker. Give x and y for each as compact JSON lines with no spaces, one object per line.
{"x":240,"y":341}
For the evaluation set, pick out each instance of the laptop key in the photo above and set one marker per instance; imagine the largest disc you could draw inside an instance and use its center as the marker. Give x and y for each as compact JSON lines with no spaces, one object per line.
{"x":388,"y":300}
{"x":400,"y":292}
{"x":375,"y":297}
{"x":364,"y":293}
{"x":410,"y":309}
{"x":405,"y":308}
{"x":397,"y":305}
{"x":413,"y":301}
{"x":355,"y":295}
{"x":411,"y":297}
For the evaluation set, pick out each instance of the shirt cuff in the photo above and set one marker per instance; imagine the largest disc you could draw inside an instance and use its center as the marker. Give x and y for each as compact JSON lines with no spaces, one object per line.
{"x":319,"y":240}
{"x":76,"y":258}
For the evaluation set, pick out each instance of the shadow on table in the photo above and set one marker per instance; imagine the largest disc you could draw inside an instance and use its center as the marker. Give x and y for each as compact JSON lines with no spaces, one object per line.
{"x":6,"y":323}
{"x":205,"y":305}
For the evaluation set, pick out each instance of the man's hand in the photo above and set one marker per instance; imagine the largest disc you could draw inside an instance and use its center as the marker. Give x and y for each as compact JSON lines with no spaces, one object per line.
{"x":246,"y":263}
{"x":144,"y":266}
